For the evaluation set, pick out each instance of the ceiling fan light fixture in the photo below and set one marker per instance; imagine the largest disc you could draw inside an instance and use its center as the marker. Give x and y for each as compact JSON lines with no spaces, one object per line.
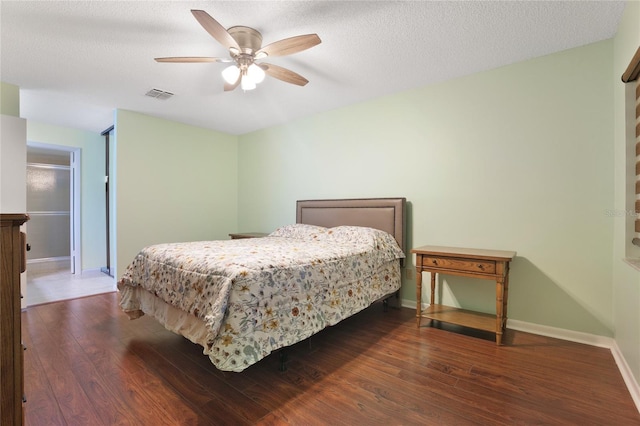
{"x":231,"y":74}
{"x":247,"y":83}
{"x":255,"y":73}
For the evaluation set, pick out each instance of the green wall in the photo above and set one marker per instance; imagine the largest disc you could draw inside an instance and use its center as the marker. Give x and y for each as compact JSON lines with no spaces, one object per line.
{"x":626,"y":279}
{"x":173,"y":182}
{"x":9,"y":99}
{"x":517,"y":158}
{"x":93,"y":216}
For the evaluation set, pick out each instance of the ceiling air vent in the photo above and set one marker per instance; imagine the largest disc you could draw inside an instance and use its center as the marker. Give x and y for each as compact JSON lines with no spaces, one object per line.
{"x":159,"y":94}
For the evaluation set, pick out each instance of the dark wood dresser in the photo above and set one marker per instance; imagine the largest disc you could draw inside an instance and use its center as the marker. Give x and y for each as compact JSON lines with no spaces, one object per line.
{"x":14,"y":260}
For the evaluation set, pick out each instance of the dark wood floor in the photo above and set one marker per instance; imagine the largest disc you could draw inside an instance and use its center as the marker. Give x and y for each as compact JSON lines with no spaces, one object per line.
{"x":87,"y":364}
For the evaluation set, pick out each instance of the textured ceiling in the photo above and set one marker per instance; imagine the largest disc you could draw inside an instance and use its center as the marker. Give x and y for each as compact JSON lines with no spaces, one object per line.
{"x":77,"y":61}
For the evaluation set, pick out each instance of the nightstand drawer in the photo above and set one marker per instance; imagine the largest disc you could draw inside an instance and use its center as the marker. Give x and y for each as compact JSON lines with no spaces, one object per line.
{"x":459,"y":264}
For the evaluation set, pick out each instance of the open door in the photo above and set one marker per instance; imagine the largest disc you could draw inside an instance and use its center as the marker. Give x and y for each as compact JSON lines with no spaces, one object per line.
{"x":74,"y":220}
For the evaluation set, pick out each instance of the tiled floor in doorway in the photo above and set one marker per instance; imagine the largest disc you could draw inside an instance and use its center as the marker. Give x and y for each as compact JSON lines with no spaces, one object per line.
{"x":54,"y":285}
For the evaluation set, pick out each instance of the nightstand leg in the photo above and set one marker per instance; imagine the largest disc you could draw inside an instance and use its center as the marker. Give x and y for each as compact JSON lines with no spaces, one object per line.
{"x":432,"y":301}
{"x":499,"y":309}
{"x":506,"y":296}
{"x":418,"y":296}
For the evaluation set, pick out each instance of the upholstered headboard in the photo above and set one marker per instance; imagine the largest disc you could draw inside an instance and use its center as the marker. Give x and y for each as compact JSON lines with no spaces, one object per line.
{"x":386,"y":214}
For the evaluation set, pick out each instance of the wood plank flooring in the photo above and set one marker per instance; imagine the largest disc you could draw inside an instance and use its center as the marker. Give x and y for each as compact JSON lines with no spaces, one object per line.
{"x":88,"y":364}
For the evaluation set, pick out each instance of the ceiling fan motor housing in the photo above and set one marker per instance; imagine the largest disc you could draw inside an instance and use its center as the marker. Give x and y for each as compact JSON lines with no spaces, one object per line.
{"x":249,"y":39}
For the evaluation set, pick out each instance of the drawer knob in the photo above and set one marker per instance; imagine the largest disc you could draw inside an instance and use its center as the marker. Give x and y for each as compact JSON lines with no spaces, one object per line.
{"x":435,"y":262}
{"x":481,"y":267}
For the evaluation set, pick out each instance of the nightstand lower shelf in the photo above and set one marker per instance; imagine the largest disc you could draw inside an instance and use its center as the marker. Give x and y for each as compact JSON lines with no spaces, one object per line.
{"x":463,"y":317}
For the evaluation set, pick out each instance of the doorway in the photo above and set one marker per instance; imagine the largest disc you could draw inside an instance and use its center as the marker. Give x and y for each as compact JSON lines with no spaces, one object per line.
{"x":53,"y":204}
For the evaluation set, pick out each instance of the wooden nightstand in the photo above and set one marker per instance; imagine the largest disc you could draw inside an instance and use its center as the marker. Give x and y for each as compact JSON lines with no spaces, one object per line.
{"x":475,"y":263}
{"x":241,"y":235}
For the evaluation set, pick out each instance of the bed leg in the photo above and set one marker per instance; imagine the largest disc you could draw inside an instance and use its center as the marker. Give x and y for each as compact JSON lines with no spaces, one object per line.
{"x":284,"y":357}
{"x":385,"y":301}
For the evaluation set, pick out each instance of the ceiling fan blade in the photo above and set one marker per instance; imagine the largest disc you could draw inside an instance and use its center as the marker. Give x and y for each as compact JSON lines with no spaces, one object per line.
{"x":214,"y":28}
{"x":283,"y":74}
{"x":290,"y":45}
{"x":190,"y":59}
{"x":229,"y":87}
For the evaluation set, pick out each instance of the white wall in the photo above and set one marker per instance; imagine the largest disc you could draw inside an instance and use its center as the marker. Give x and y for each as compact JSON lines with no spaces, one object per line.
{"x":13,"y":161}
{"x":517,"y":158}
{"x":13,"y":165}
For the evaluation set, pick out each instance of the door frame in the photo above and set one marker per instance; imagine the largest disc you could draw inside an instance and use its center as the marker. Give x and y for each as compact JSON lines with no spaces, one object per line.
{"x":109,"y":268}
{"x":74,"y":200}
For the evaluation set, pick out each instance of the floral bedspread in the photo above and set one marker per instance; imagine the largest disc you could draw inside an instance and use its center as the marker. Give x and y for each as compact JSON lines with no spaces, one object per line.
{"x":257,"y":295}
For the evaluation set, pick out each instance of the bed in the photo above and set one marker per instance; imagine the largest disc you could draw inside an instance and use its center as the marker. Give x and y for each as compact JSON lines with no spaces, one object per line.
{"x":242,"y":299}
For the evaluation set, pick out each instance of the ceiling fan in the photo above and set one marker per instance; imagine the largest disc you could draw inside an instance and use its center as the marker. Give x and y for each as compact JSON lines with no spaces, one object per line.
{"x":245,"y":48}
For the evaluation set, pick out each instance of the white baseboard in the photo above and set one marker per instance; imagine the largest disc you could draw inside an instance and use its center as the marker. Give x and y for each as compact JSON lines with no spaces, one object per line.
{"x":48,"y":265}
{"x":627,"y":375}
{"x":578,"y":337}
{"x":561,"y":333}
